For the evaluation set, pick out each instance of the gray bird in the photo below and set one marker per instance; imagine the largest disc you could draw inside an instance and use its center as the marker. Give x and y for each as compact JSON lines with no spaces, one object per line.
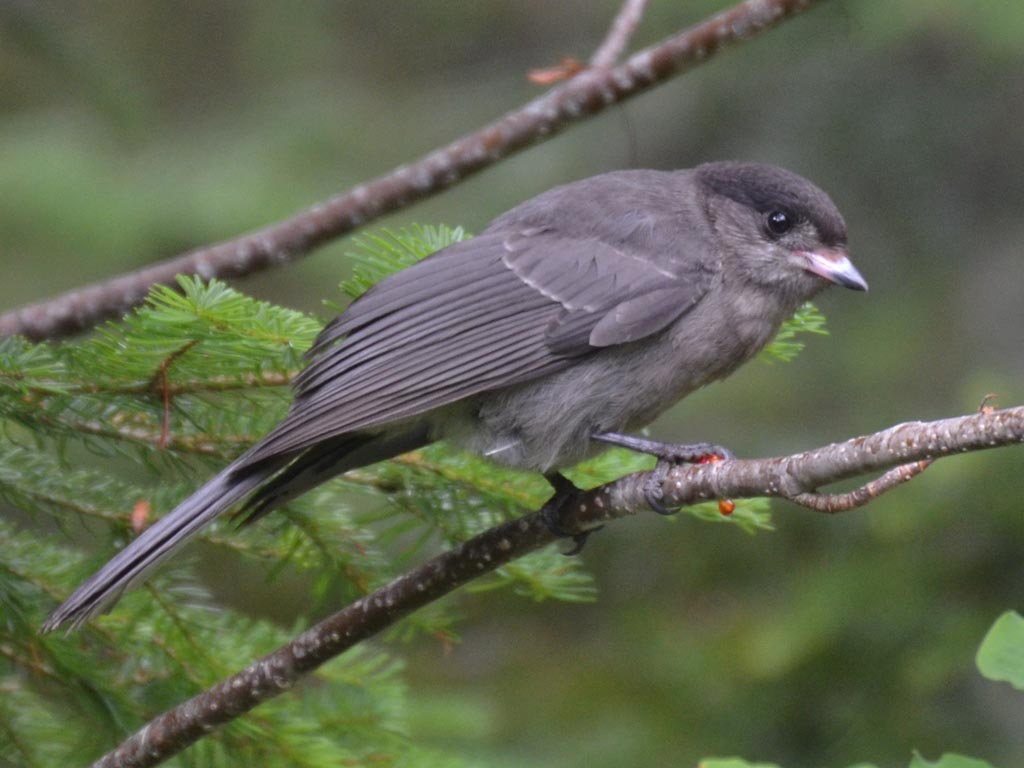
{"x":572,"y":319}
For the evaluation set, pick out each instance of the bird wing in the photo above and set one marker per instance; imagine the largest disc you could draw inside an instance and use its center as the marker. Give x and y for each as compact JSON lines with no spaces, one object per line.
{"x":492,"y":311}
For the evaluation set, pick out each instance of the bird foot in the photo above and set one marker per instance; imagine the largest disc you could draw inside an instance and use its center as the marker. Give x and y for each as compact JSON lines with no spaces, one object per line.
{"x":669,"y":455}
{"x":555,"y":513}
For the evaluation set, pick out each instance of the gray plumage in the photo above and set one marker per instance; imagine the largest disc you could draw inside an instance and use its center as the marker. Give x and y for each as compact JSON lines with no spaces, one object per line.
{"x":590,"y":308}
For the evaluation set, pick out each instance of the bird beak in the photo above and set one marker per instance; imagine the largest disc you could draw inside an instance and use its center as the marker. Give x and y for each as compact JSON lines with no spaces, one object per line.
{"x":834,"y":265}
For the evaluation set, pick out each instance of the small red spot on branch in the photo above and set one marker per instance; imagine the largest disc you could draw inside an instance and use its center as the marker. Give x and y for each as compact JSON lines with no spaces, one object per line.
{"x":139,"y":517}
{"x":988,"y":403}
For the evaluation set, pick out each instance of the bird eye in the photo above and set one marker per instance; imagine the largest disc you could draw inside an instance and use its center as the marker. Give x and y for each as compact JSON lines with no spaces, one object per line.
{"x":779,"y":223}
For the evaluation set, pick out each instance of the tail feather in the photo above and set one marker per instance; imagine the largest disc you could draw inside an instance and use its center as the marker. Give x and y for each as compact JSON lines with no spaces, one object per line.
{"x":266,"y":484}
{"x":329,"y":459}
{"x":315,"y":466}
{"x":156,"y":543}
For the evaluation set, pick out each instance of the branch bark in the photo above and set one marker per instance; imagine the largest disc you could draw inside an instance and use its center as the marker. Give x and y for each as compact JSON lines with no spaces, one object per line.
{"x":900,"y":452}
{"x":586,"y":94}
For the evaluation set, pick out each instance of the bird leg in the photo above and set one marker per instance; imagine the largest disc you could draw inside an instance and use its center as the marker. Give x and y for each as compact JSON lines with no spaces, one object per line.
{"x":668,"y":454}
{"x":555,"y":512}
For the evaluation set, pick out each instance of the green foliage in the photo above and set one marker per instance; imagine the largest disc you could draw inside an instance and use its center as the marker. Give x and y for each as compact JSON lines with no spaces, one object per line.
{"x":949,"y":761}
{"x":66,"y":699}
{"x":946,"y":761}
{"x":1001,"y":655}
{"x":807,"y":319}
{"x":382,"y":253}
{"x":167,"y":382}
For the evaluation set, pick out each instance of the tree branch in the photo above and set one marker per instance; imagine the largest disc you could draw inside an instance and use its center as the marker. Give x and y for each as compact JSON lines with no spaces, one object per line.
{"x":842,"y":502}
{"x":619,"y":34}
{"x":901,"y":452}
{"x":586,"y":94}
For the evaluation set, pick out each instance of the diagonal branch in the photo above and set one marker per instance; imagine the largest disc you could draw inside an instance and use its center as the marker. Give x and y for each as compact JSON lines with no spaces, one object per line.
{"x":900,"y":451}
{"x":587,"y":94}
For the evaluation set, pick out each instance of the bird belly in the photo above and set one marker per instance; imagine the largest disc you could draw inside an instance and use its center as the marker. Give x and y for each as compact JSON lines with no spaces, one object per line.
{"x":545,"y":424}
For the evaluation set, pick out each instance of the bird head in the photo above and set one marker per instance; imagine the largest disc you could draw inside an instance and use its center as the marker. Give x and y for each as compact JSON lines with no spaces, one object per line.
{"x":778,"y":229}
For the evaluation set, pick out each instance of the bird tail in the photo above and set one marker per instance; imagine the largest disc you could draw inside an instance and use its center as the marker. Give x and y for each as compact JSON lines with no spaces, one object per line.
{"x":156,"y":543}
{"x":265,"y":485}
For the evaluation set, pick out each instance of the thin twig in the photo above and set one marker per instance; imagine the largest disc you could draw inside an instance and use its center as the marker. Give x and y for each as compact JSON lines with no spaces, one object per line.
{"x":42,"y":389}
{"x":619,"y":35}
{"x":225,"y":446}
{"x":162,"y":384}
{"x":590,"y":92}
{"x":792,"y":477}
{"x":607,"y":54}
{"x":831,"y":503}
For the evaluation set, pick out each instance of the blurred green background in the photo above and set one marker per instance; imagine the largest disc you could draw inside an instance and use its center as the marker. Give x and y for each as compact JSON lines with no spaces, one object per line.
{"x":130,"y":132}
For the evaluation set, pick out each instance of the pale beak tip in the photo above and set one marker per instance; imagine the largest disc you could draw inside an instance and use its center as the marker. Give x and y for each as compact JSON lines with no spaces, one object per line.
{"x":835,"y":266}
{"x":857,"y":284}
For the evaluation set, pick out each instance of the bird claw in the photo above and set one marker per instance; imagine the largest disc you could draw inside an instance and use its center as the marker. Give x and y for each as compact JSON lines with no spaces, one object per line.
{"x":580,"y":541}
{"x":553,"y":513}
{"x":653,"y":492}
{"x":669,"y":454}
